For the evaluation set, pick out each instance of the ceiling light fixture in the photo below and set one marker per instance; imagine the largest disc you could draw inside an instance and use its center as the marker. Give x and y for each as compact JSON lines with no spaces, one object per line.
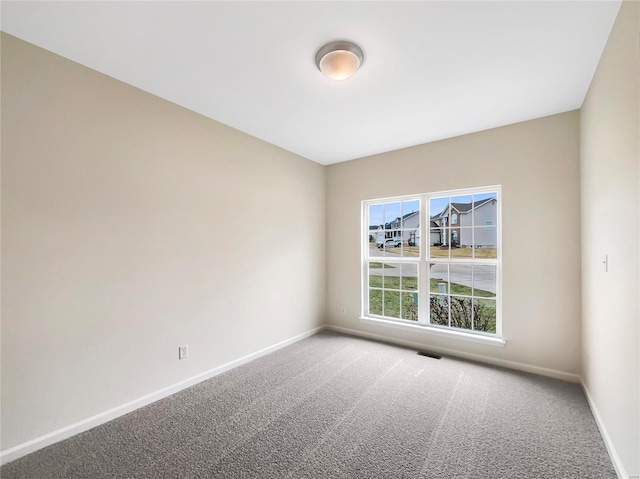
{"x":339,"y":60}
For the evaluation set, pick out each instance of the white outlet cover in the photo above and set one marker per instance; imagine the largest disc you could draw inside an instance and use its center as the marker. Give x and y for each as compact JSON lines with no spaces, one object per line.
{"x":183,"y":352}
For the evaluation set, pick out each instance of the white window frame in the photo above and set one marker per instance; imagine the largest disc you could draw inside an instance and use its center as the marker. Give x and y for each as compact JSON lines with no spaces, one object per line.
{"x":423,"y":261}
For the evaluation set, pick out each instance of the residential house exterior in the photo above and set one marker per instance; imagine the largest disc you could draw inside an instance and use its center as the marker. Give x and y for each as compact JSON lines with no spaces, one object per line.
{"x":406,"y":228}
{"x":374,"y":231}
{"x":455,"y":225}
{"x":434,"y":233}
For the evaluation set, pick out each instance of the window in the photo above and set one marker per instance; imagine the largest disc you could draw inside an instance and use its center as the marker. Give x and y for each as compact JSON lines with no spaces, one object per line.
{"x":392,"y":265}
{"x":428,"y":266}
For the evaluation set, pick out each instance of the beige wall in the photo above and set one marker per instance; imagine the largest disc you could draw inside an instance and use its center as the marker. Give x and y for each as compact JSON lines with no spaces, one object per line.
{"x":537,"y":164}
{"x":131,"y":226}
{"x":610,"y":182}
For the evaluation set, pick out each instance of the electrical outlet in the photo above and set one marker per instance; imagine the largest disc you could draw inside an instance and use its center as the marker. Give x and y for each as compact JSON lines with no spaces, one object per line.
{"x":183,"y":352}
{"x":343,"y":310}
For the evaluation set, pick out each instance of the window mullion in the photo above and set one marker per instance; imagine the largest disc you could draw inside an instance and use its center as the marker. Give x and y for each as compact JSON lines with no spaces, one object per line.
{"x":423,"y":279}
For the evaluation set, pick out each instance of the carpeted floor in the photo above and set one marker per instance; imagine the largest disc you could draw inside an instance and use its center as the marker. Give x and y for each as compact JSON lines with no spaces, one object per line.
{"x":334,"y":406}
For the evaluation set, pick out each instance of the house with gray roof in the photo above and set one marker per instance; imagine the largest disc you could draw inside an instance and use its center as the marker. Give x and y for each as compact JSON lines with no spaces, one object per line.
{"x":458,"y":222}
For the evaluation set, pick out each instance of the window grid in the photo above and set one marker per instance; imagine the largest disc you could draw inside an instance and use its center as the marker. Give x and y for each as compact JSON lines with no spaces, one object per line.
{"x":390,"y":297}
{"x":468,"y":303}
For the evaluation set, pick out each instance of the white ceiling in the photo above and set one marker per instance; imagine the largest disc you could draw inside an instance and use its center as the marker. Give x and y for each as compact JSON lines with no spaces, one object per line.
{"x":432,"y":70}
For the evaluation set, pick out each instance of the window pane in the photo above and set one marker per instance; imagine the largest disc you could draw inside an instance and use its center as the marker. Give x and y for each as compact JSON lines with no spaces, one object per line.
{"x":410,"y":277}
{"x":375,"y":252}
{"x":376,"y":229}
{"x":485,"y":209}
{"x":392,"y":214}
{"x":461,"y":206}
{"x":438,"y":208}
{"x":411,"y":214}
{"x":461,"y":242}
{"x":410,"y":306}
{"x":484,"y":315}
{"x":438,"y":233}
{"x":375,"y":301}
{"x":411,"y":246}
{"x":439,"y":309}
{"x":392,"y":304}
{"x":392,"y":276}
{"x":438,"y":243}
{"x":460,"y":278}
{"x":375,"y":274}
{"x":376,"y":216}
{"x":484,"y":281}
{"x":486,"y":241}
{"x":393,"y":243}
{"x":439,"y":278}
{"x":460,"y":312}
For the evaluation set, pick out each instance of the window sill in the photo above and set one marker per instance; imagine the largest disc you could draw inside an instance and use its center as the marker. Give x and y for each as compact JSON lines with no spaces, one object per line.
{"x":474,"y":338}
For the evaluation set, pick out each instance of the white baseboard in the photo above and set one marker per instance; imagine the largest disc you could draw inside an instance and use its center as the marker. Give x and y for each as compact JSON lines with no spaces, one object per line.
{"x":574,"y":378}
{"x":615,"y":459}
{"x":106,"y":416}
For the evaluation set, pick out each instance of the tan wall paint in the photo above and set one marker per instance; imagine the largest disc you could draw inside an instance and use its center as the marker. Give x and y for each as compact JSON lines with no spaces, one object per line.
{"x":131,"y":226}
{"x":610,"y":183}
{"x":537,"y":164}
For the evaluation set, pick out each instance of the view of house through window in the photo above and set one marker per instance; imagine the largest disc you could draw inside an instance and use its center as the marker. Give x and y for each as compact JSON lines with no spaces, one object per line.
{"x":434,"y":260}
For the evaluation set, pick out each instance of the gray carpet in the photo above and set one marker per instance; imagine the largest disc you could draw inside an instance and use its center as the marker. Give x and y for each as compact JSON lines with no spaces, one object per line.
{"x":341,"y":407}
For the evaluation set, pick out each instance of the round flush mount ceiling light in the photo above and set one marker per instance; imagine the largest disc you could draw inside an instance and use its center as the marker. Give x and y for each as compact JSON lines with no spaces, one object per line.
{"x":339,"y":60}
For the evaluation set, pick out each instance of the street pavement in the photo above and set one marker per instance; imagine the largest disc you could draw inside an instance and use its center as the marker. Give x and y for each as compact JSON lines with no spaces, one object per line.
{"x":483,"y":277}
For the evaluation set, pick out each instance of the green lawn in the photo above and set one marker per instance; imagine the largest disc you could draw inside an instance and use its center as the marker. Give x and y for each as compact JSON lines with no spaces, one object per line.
{"x":438,"y":252}
{"x":461,"y":289}
{"x":392,"y":304}
{"x":380,"y":265}
{"x":410,"y":283}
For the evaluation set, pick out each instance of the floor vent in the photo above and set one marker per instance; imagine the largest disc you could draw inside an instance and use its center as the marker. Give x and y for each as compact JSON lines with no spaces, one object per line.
{"x":429,"y":355}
